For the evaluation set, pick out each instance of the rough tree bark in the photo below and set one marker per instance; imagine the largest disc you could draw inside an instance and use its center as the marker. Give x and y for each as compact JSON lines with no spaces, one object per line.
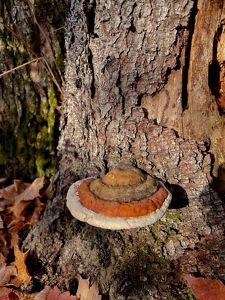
{"x":137,"y":92}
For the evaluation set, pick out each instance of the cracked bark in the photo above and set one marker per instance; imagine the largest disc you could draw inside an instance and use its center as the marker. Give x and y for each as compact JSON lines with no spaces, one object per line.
{"x":124,"y":106}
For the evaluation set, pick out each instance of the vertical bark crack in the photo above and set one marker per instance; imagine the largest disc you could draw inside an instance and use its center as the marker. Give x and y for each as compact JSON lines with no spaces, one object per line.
{"x":89,"y":7}
{"x":91,"y":66}
{"x":191,"y":28}
{"x":118,"y":84}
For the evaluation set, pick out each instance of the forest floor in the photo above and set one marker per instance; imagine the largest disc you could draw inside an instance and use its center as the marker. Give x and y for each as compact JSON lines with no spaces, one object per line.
{"x":20,"y":207}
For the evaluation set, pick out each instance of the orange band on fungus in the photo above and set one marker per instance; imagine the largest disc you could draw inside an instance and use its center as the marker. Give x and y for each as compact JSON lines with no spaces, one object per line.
{"x":115,"y":209}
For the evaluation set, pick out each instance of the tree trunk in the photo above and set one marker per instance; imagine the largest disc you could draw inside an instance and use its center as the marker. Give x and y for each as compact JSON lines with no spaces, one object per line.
{"x":137,"y":93}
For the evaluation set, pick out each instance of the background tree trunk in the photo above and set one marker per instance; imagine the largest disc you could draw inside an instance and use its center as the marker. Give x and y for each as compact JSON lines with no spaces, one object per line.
{"x":31,"y":41}
{"x":137,"y":92}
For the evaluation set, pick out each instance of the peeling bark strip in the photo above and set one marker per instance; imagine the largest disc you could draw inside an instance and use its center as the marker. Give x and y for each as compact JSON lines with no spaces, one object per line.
{"x":130,"y":119}
{"x":201,"y":101}
{"x":202,"y":119}
{"x":217,"y":68}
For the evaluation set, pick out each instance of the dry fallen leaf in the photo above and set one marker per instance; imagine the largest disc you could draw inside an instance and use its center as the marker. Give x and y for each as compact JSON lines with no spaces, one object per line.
{"x":33,"y":216}
{"x":22,"y":276}
{"x":20,"y":204}
{"x":48,"y":191}
{"x":2,"y":238}
{"x":83,"y":292}
{"x":7,"y":294}
{"x":93,"y":293}
{"x":83,"y":288}
{"x":12,"y":294}
{"x":42,"y":295}
{"x":86,"y":293}
{"x":10,"y":192}
{"x":23,"y":296}
{"x":16,"y":212}
{"x":3,"y":181}
{"x":54,"y":294}
{"x":6,"y":272}
{"x":33,"y":191}
{"x":29,"y":194}
{"x":206,"y":289}
{"x":7,"y":196}
{"x":2,"y":258}
{"x":13,"y":234}
{"x":25,"y":213}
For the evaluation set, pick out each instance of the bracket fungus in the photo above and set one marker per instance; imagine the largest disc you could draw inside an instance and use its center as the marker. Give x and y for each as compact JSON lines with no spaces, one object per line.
{"x":121,"y":199}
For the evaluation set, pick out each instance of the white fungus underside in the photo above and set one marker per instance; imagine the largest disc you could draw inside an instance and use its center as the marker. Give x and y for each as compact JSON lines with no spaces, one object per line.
{"x":114,"y":223}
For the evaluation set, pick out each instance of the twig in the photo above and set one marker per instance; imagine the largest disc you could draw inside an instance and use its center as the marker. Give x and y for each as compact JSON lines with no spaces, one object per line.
{"x":42,"y":31}
{"x":20,"y":66}
{"x":46,"y":65}
{"x":60,"y":28}
{"x":51,"y":73}
{"x":43,"y":60}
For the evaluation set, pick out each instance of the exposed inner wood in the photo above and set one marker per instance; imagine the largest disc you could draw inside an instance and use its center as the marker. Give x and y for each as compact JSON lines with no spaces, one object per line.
{"x":202,"y":120}
{"x":219,"y":43}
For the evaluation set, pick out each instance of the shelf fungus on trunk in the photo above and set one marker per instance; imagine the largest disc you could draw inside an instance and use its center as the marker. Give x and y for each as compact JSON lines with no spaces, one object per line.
{"x":121,"y":199}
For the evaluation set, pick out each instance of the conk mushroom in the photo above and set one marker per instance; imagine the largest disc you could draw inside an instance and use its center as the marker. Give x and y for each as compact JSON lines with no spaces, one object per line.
{"x":121,"y":199}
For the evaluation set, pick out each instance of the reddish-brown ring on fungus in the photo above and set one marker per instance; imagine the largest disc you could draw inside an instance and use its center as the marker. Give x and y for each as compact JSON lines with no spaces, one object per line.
{"x":116,"y":209}
{"x":97,"y":201}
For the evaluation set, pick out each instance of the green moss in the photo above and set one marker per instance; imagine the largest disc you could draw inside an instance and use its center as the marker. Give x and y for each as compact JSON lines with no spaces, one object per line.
{"x":187,"y":293}
{"x":181,"y":292}
{"x":171,"y":233}
{"x":60,"y":61}
{"x":41,"y":162}
{"x":62,"y":7}
{"x":31,"y":148}
{"x":52,"y":110}
{"x":45,"y":142}
{"x":162,"y":231}
{"x":141,"y":266}
{"x":172,"y":215}
{"x":6,"y":39}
